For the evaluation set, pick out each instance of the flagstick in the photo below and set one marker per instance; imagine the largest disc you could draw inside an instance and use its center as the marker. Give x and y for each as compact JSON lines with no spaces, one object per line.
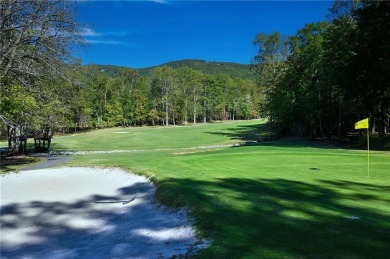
{"x":368,"y":153}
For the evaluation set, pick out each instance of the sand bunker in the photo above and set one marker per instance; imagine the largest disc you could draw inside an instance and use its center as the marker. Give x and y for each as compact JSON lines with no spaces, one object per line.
{"x":88,"y":213}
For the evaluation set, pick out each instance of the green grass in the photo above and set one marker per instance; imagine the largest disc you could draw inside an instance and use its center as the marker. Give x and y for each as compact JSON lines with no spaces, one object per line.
{"x":157,"y":137}
{"x":271,"y":200}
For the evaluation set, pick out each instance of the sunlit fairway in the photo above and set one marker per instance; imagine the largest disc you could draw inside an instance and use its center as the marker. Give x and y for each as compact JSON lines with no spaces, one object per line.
{"x":272,"y":199}
{"x":157,"y":137}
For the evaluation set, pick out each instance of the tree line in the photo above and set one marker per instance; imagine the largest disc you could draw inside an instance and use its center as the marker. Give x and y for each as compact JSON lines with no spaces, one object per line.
{"x":331,"y":74}
{"x":316,"y":83}
{"x":167,"y":96}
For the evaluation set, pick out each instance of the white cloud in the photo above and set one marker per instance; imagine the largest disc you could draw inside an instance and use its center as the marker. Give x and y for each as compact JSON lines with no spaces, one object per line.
{"x":109,"y":37}
{"x":108,"y":42}
{"x":93,"y":37}
{"x":159,"y":1}
{"x":88,"y":32}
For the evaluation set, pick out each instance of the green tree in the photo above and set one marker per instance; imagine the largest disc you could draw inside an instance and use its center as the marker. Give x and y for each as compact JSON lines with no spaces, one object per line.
{"x":164,"y":83}
{"x":269,"y":63}
{"x":336,"y":72}
{"x":370,"y":66}
{"x":35,"y":41}
{"x":128,"y":81}
{"x":138,"y":109}
{"x":97,"y":84}
{"x":113,"y":114}
{"x":245,"y":107}
{"x":197,"y":84}
{"x":339,"y":42}
{"x":357,"y":56}
{"x":307,"y":63}
{"x":189,"y":83}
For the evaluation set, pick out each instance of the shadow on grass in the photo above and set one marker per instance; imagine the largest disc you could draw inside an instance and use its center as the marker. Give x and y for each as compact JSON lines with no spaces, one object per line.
{"x":30,"y":161}
{"x":262,"y":134}
{"x":11,"y":163}
{"x":246,"y":133}
{"x":57,"y":146}
{"x":281,"y":218}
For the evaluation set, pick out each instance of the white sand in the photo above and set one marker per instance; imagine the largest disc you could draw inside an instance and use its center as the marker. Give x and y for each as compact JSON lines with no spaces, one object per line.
{"x":88,"y":213}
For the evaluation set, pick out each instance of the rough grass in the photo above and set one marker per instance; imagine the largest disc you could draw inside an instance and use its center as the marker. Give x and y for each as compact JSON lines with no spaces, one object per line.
{"x":269,"y":200}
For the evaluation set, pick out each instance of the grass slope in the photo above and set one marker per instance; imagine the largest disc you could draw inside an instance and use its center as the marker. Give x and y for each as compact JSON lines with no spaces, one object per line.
{"x":271,"y":200}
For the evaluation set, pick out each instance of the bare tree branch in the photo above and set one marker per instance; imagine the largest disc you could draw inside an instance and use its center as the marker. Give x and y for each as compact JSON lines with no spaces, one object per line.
{"x":35,"y":37}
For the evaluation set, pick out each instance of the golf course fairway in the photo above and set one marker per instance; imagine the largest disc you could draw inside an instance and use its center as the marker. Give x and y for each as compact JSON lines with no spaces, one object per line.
{"x":273,"y":199}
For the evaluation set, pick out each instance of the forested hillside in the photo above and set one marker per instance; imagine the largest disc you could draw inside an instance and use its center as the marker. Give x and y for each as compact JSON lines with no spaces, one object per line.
{"x":208,"y":68}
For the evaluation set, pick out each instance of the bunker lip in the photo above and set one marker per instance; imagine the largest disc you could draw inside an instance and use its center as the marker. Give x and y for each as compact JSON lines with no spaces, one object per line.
{"x":89,"y":213}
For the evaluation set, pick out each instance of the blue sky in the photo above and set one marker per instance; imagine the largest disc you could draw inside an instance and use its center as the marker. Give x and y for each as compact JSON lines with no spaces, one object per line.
{"x":147,"y":33}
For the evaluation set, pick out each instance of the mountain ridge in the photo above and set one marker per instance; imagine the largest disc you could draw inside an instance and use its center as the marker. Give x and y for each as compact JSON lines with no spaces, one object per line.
{"x":207,"y":67}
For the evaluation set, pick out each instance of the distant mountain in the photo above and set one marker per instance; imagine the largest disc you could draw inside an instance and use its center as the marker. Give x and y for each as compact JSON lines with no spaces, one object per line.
{"x":210,"y":68}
